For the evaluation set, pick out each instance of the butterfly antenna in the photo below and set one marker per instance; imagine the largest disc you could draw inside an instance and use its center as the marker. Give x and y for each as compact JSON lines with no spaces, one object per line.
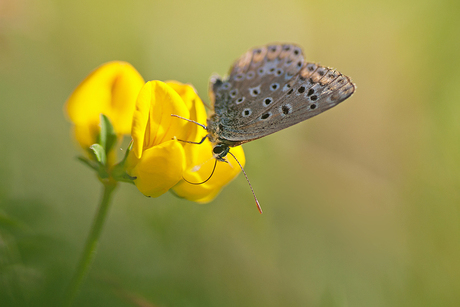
{"x":247,"y":179}
{"x":215,"y":163}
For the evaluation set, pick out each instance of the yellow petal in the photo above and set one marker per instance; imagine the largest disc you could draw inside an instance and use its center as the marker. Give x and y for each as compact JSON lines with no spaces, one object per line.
{"x":200,"y":156}
{"x":152,"y":120}
{"x":194,"y":133}
{"x":86,"y":135}
{"x":124,"y":93}
{"x":185,"y":91}
{"x":159,"y":169}
{"x":224,"y":173}
{"x":111,"y":89}
{"x":140,"y":119}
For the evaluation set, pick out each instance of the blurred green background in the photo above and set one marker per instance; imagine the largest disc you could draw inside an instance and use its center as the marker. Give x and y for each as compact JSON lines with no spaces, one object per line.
{"x":361,"y":204}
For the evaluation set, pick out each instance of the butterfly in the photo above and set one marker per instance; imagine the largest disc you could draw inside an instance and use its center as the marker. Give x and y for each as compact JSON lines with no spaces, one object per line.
{"x":269,"y":88}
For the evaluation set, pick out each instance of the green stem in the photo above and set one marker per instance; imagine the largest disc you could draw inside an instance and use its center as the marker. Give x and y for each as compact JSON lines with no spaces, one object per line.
{"x":91,"y":244}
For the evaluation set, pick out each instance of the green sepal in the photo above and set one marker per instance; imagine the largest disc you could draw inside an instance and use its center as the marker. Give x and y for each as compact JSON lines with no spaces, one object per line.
{"x":90,"y":163}
{"x":118,"y":171}
{"x":107,"y":137}
{"x":101,"y":158}
{"x":99,"y":152}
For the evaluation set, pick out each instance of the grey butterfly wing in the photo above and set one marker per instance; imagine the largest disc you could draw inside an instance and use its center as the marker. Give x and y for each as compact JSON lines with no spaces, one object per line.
{"x":266,"y":65}
{"x":311,"y":93}
{"x":301,"y":91}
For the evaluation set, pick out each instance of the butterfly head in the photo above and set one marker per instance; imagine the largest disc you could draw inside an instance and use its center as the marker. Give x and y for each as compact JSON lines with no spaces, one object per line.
{"x":220,"y":151}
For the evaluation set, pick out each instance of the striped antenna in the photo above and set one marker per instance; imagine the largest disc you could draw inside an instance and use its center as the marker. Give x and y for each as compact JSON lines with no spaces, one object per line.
{"x":247,"y":179}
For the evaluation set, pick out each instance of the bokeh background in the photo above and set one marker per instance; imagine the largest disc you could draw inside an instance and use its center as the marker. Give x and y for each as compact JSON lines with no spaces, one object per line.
{"x":361,"y":204}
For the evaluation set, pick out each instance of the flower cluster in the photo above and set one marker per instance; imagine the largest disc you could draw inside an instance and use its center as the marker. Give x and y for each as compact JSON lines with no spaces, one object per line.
{"x":158,"y":160}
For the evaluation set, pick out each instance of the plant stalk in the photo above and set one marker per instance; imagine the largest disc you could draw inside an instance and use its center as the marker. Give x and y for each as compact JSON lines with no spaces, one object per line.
{"x":91,"y":245}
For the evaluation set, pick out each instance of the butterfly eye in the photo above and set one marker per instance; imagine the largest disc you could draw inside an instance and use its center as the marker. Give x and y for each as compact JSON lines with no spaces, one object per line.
{"x":218,"y":149}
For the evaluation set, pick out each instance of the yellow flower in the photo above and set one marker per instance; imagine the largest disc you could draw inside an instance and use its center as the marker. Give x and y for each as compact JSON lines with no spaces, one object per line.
{"x":111,"y":89}
{"x":158,"y":160}
{"x":224,"y":173}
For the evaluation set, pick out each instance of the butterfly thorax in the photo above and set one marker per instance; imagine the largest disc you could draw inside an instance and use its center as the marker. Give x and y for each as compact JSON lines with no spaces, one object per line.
{"x":221,"y":146}
{"x":215,"y":129}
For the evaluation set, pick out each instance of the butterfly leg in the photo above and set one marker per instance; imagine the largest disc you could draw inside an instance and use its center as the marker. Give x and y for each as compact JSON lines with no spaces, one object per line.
{"x":197,"y":143}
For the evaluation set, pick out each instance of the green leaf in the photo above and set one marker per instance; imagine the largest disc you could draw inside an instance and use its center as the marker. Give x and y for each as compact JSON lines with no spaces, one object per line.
{"x":107,"y":136}
{"x":91,"y":164}
{"x":99,"y":153}
{"x":95,"y":165}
